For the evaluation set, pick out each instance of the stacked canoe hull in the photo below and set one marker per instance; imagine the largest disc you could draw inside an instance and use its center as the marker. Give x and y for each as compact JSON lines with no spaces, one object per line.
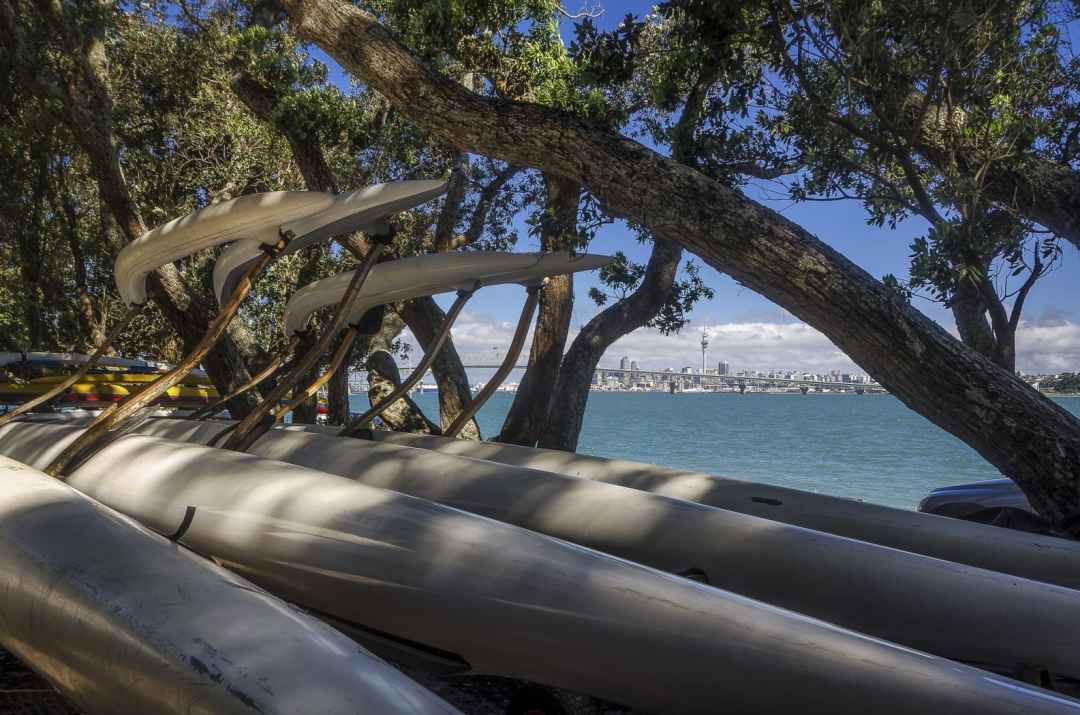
{"x":513,"y":602}
{"x":1033,"y":556}
{"x":121,"y":620}
{"x":925,"y":603}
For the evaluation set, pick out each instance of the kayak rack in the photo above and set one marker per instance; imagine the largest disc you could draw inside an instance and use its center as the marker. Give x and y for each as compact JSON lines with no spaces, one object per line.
{"x":265,"y":226}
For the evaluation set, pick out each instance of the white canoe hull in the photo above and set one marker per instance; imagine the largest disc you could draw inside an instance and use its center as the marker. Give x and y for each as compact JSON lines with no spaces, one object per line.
{"x":361,"y":210}
{"x":123,"y":621}
{"x":256,"y":217}
{"x":515,"y":603}
{"x":937,"y":606}
{"x":1033,"y":556}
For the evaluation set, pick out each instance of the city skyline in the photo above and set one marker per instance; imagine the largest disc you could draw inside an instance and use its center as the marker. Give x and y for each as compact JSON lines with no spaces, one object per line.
{"x":1048,"y":345}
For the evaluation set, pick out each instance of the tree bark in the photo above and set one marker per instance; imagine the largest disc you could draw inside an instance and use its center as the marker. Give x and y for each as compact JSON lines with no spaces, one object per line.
{"x":1025,"y":435}
{"x":969,"y":311}
{"x":403,"y":415}
{"x":337,"y":393}
{"x":528,"y":415}
{"x":424,"y":316}
{"x":579,"y":364}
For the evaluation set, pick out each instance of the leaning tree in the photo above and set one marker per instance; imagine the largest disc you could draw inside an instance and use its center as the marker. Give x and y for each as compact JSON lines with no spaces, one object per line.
{"x":1025,"y":435}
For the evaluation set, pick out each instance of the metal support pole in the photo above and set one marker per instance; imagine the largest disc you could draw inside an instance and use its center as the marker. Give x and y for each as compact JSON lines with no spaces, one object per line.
{"x":106,"y":422}
{"x":79,"y":374}
{"x":361,"y":423}
{"x":335,"y":362}
{"x":205,"y":413}
{"x":256,"y":423}
{"x":507,"y":365}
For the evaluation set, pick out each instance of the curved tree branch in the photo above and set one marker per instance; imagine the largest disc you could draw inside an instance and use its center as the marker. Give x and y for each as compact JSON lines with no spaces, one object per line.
{"x":1025,"y":435}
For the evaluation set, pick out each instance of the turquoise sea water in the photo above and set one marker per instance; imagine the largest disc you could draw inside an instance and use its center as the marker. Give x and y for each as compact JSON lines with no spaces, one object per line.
{"x":867,"y":447}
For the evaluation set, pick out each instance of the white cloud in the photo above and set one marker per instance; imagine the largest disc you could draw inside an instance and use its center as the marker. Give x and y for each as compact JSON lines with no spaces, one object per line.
{"x":753,"y":345}
{"x":1048,"y":347}
{"x":1043,"y":346}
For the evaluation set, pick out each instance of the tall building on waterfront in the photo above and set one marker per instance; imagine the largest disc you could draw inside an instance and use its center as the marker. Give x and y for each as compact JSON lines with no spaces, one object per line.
{"x":624,"y":364}
{"x":724,"y":368}
{"x":704,"y":352}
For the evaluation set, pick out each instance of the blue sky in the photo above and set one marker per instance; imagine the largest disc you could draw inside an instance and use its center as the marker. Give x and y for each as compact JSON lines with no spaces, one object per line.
{"x":739,"y":322}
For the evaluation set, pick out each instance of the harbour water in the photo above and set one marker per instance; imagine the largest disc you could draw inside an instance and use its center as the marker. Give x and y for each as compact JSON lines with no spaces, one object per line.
{"x":866,"y":447}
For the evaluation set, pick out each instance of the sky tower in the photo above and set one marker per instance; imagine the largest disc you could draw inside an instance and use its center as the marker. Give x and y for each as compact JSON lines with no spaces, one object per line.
{"x":704,"y":350}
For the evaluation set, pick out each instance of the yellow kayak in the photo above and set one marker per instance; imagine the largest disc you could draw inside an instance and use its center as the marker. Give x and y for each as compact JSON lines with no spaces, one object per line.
{"x":123,"y":378}
{"x":95,"y":392}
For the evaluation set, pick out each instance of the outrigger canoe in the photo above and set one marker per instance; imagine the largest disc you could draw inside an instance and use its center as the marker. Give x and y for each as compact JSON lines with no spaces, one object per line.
{"x":125,"y":622}
{"x":497,"y":599}
{"x":126,"y":378}
{"x":1032,"y":556}
{"x":935,"y":606}
{"x":431,"y":274}
{"x":64,"y":361}
{"x":361,"y":210}
{"x":257,"y":219}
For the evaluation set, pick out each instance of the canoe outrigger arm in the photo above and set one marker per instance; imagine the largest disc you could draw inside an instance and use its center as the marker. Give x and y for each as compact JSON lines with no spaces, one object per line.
{"x":425,"y":275}
{"x":111,"y":419}
{"x":254,"y":425}
{"x":60,"y":387}
{"x":361,"y":423}
{"x":300,"y":396}
{"x":467,"y":413}
{"x":205,"y":413}
{"x":369,"y":324}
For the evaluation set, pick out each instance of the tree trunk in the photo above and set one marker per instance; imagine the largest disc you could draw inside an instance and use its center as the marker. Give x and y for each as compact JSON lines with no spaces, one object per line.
{"x":29,"y":244}
{"x":403,"y":415}
{"x":1025,"y":435}
{"x":969,"y":311}
{"x":92,"y":330}
{"x":566,"y":408}
{"x":424,"y":317}
{"x":572,"y":390}
{"x":337,"y":393}
{"x":528,"y":415}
